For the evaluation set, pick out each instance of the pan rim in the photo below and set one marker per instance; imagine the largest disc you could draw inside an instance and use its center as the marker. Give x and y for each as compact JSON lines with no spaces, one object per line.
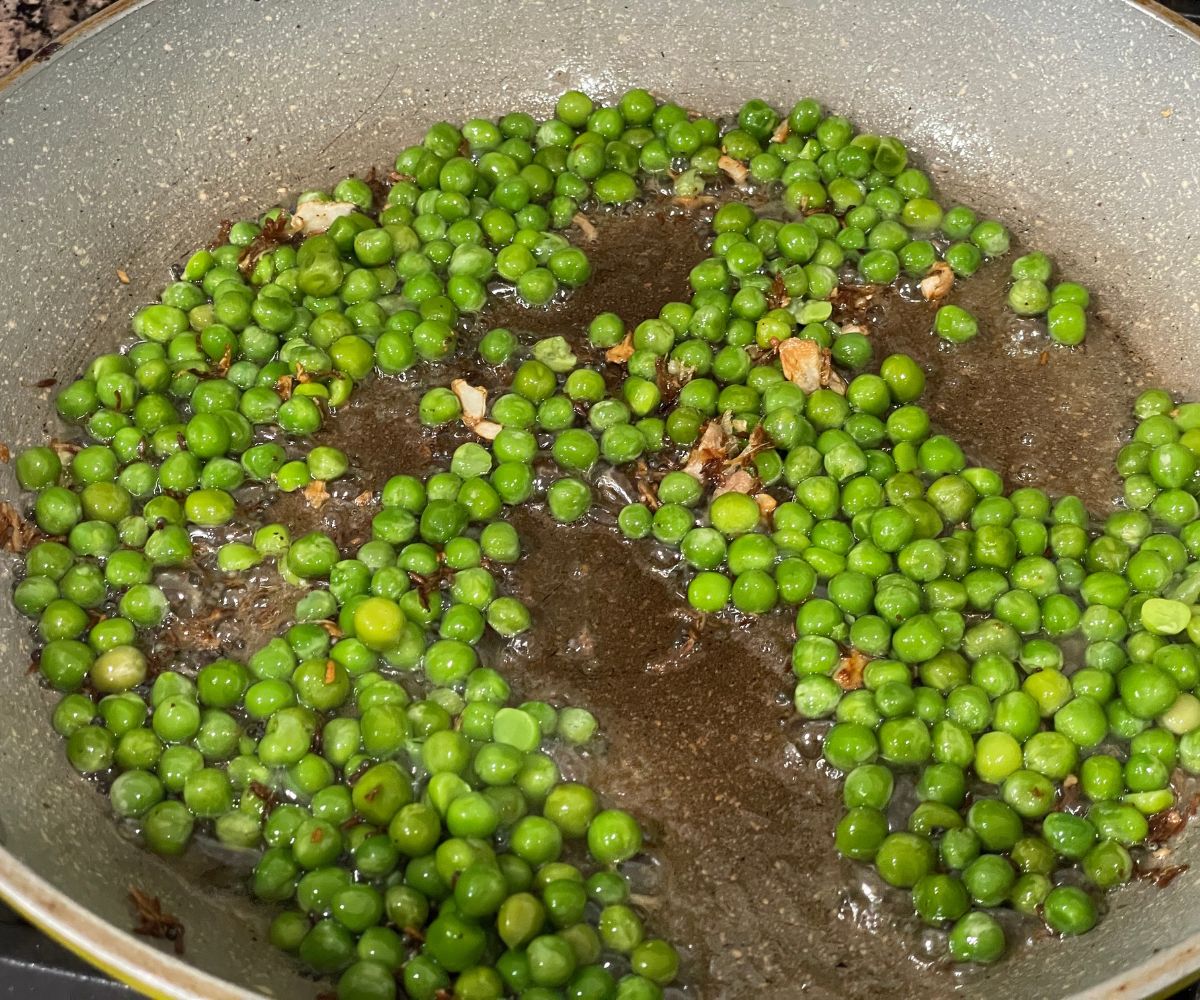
{"x":155,"y":973}
{"x":104,"y":945}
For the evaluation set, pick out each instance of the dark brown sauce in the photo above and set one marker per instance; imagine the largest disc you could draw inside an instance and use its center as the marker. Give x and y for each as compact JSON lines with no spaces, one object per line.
{"x":701,"y":742}
{"x":1041,"y":414}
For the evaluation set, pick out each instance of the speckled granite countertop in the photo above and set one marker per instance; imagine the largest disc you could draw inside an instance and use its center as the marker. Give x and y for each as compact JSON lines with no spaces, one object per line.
{"x":27,"y":25}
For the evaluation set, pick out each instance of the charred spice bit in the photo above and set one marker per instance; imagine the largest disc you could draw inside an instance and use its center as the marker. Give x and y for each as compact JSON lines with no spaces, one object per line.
{"x":226,"y":361}
{"x":710,"y":453}
{"x":266,"y":795}
{"x":47,"y":50}
{"x":692,"y":636}
{"x":362,"y":769}
{"x":427,"y":584}
{"x":379,"y":190}
{"x":622,"y":352}
{"x":777,"y":296}
{"x":669,"y":385}
{"x":154,"y":921}
{"x":849,"y":674}
{"x":766,"y":507}
{"x":16,"y":534}
{"x":65,"y":449}
{"x":585,"y":226}
{"x":275,"y":233}
{"x":1165,"y":825}
{"x":315,"y":494}
{"x":45,"y":383}
{"x":735,"y":170}
{"x":641,"y":479}
{"x":222,"y":236}
{"x":938,"y":281}
{"x":1161,"y":876}
{"x":757,"y":442}
{"x":850,"y":302}
{"x":1070,"y":795}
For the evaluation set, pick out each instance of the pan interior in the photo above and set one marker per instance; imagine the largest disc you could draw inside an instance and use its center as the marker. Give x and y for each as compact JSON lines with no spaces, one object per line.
{"x":1070,"y":141}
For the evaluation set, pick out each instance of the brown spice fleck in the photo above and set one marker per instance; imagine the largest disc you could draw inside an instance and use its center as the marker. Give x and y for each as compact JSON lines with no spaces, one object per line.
{"x":65,"y":450}
{"x":45,"y":383}
{"x":379,"y":190}
{"x":938,"y":281}
{"x":268,"y":797}
{"x":1165,"y":824}
{"x":5,"y":454}
{"x":47,"y":50}
{"x":1044,"y":358}
{"x":1070,"y":795}
{"x":16,"y":534}
{"x":315,"y":494}
{"x":709,"y":455}
{"x":622,"y":352}
{"x":122,"y":276}
{"x":735,"y":170}
{"x":641,"y":479}
{"x":850,"y":302}
{"x":669,"y":384}
{"x":849,"y":674}
{"x":330,"y":671}
{"x":222,"y":236}
{"x":153,"y":921}
{"x":777,"y":296}
{"x":226,"y":361}
{"x":426,"y":584}
{"x":1161,"y":876}
{"x":274,"y":233}
{"x":585,"y":226}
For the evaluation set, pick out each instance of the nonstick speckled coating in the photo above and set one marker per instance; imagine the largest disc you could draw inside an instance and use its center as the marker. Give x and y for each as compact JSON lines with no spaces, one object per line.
{"x":1076,"y":122}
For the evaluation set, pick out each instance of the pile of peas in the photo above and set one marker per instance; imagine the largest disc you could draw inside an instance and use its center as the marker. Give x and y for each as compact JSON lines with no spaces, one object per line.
{"x":412,"y":822}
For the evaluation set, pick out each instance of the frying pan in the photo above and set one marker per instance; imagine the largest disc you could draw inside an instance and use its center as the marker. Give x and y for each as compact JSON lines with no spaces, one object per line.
{"x":1076,"y":122}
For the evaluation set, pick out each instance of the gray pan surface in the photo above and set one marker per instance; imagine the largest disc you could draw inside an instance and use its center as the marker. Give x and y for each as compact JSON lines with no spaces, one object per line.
{"x":1074,"y":121}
